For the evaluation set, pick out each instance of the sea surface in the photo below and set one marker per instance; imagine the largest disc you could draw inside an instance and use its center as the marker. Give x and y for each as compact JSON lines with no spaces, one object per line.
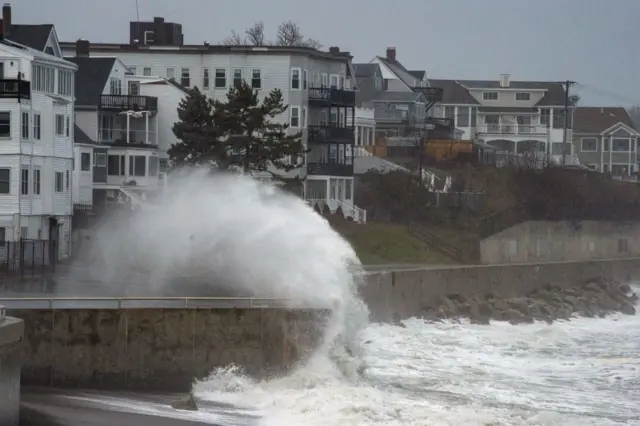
{"x":580,"y":372}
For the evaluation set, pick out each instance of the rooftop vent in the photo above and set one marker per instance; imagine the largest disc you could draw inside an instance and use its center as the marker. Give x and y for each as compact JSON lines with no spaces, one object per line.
{"x":504,"y":80}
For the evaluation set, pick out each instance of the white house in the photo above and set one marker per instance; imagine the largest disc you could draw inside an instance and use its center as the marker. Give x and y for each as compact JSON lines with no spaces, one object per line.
{"x":316,"y":85}
{"x":36,"y":155}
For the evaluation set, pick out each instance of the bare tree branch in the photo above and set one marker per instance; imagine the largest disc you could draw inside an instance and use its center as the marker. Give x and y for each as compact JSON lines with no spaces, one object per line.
{"x":313,"y":43}
{"x":289,"y":34}
{"x":255,"y":34}
{"x":235,"y":39}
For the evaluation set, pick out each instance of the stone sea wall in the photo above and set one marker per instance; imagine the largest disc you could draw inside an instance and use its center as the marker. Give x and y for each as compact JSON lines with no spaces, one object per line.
{"x":402,"y":294}
{"x":11,"y":332}
{"x":160,"y":349}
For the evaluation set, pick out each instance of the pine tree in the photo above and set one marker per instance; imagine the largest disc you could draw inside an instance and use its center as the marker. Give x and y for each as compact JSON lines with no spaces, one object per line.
{"x":253,"y":140}
{"x":199,"y":137}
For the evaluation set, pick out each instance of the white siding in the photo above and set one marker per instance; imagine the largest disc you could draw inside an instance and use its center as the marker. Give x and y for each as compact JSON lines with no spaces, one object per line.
{"x":83,"y":179}
{"x":9,"y":203}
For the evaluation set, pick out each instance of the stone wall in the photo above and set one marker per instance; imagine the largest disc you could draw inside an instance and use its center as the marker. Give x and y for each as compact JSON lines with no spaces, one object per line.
{"x":561,"y":241}
{"x":11,"y":332}
{"x":160,"y":349}
{"x":405,"y":293}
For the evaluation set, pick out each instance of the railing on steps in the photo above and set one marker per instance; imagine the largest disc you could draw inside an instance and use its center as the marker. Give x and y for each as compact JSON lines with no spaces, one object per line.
{"x":360,"y":151}
{"x":356,"y":214}
{"x":468,"y":255}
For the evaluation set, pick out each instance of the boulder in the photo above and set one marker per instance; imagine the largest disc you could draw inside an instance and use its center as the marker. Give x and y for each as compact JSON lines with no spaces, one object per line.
{"x":187,"y":402}
{"x":479,"y":312}
{"x":628,"y":309}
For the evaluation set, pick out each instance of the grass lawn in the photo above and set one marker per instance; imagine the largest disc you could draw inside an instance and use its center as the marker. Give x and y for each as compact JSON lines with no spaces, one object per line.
{"x":381,"y":243}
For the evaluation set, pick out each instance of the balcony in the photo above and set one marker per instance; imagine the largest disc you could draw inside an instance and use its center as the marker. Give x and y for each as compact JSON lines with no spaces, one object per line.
{"x":11,"y":88}
{"x":320,"y":134}
{"x":331,"y":96}
{"x":118,"y":137}
{"x":119,"y":103}
{"x":512,"y":130}
{"x":330,"y":169}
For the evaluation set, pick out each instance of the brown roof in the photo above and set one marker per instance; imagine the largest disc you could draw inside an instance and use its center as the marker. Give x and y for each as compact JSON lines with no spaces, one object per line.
{"x":456,"y":92}
{"x":453,"y":93}
{"x":599,"y":119}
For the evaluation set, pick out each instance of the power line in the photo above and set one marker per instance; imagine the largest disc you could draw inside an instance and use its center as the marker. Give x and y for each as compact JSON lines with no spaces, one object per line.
{"x":607,"y":94}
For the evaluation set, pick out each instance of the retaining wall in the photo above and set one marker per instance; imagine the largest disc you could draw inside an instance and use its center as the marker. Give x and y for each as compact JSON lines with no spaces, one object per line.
{"x":159,"y":349}
{"x":403,"y":294}
{"x":11,"y":333}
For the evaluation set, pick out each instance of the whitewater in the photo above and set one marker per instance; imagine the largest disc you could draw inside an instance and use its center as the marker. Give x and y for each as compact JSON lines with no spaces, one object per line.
{"x":579,"y":372}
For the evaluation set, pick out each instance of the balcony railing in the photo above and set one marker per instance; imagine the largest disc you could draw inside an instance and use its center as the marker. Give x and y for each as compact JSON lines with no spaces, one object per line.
{"x":119,"y":137}
{"x":390,"y":115}
{"x":15,"y":89}
{"x":512,"y":130}
{"x":331,"y":96}
{"x":329,"y":169}
{"x":128,"y":103}
{"x":330,"y":134}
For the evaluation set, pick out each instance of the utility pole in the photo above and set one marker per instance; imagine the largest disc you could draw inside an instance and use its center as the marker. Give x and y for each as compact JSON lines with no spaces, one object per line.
{"x":567,"y":84}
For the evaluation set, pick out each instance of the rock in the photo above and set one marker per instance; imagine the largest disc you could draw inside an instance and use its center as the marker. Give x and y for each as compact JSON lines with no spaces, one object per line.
{"x":607,"y":303}
{"x":187,"y":402}
{"x":593,"y":286}
{"x":624,"y":289}
{"x":628,"y":309}
{"x":479,"y":313}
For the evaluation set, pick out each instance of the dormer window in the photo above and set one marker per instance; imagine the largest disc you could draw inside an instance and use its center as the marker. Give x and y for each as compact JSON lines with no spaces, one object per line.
{"x":489,"y":96}
{"x":523,"y":96}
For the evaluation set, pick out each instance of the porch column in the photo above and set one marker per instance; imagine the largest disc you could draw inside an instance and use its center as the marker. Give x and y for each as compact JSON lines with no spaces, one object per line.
{"x":155,"y":139}
{"x":146,"y":128}
{"x":610,"y":152}
{"x":128,"y":126}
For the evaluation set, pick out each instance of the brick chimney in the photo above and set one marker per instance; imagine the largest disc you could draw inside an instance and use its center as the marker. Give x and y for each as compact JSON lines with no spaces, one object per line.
{"x":391,"y":54}
{"x":6,"y":20}
{"x":83,"y":48}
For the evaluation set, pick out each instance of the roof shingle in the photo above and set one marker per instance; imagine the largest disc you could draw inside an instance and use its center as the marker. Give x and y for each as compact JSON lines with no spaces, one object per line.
{"x":33,"y":36}
{"x":91,"y":78}
{"x":598,"y":119}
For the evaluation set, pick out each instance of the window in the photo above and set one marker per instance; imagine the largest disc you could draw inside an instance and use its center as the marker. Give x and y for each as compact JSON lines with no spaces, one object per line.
{"x":153,"y":166}
{"x":65,"y":82}
{"x":43,"y":78}
{"x":605,"y":144}
{"x":115,"y":86}
{"x":256,"y":81}
{"x":295,"y":79}
{"x":589,"y":144}
{"x":59,"y":181}
{"x":67,"y":126}
{"x":489,"y":96}
{"x":450,"y":112}
{"x":5,"y":124}
{"x":67,"y":179}
{"x":205,"y":78}
{"x":221,"y":78}
{"x":463,"y":117}
{"x":305,"y":80}
{"x":171,"y":73}
{"x":116,"y":165}
{"x":25,"y":126}
{"x":133,"y":88}
{"x":36,"y":181}
{"x":146,"y":71}
{"x":37,"y":119}
{"x":295,"y":117}
{"x":304,"y":117}
{"x":237,"y":77}
{"x":99,"y":159}
{"x":137,"y":165}
{"x":620,"y":144}
{"x":523,"y":96}
{"x":85,"y":162}
{"x":3,"y":236}
{"x":325,"y":80}
{"x":59,"y":125}
{"x":334,"y":81}
{"x":5,"y":181}
{"x":185,"y":77}
{"x":24,"y":182}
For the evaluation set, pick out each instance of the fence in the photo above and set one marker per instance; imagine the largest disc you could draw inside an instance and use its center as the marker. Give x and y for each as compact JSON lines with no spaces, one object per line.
{"x":28,"y":257}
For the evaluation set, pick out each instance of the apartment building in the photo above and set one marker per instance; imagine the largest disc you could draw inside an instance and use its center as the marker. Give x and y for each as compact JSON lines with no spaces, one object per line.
{"x":605,"y":139}
{"x":316,"y":85}
{"x":36,"y":154}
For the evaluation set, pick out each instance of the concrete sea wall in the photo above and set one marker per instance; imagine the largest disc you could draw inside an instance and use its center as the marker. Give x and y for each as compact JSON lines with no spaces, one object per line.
{"x":160,"y":349}
{"x":11,"y":334}
{"x":403,"y":294}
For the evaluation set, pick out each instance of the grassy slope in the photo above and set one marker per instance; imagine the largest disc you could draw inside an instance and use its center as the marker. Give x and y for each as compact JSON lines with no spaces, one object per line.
{"x":378,"y":243}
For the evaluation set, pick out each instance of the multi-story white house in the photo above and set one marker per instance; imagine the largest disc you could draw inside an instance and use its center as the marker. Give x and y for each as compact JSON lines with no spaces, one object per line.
{"x":36,"y":153}
{"x":316,"y":85}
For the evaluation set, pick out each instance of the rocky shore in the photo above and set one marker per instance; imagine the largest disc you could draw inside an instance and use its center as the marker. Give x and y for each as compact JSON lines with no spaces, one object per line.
{"x":596,"y":298}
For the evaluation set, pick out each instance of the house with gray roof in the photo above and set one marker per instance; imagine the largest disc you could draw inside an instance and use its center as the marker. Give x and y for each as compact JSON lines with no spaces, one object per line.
{"x":605,"y":139}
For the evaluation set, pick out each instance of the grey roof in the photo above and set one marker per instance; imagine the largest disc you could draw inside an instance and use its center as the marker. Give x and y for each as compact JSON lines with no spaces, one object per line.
{"x":33,"y":36}
{"x":362,"y":165}
{"x":91,"y":78}
{"x":366,"y":70}
{"x":80,"y":136}
{"x":598,"y":119}
{"x":399,"y":70}
{"x":453,"y":93}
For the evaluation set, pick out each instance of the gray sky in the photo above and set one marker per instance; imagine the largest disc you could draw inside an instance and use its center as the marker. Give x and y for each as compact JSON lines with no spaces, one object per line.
{"x":594,"y":42}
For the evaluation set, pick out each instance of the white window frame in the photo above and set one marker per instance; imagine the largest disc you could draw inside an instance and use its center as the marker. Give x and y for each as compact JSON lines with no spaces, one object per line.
{"x":59,"y":123}
{"x":171,"y":73}
{"x":486,"y":97}
{"x":59,"y":182}
{"x":298,"y":72}
{"x":185,"y":74}
{"x":84,"y":155}
{"x":24,"y":181}
{"x":293,"y":116}
{"x":8,"y":181}
{"x":8,"y":136}
{"x":590,"y":138}
{"x":304,"y":117}
{"x":25,"y":129}
{"x":234,"y":78}
{"x":206,"y":78}
{"x":613,"y":140}
{"x":223,"y":72}
{"x":305,"y":79}
{"x":527,"y":97}
{"x":36,"y":178}
{"x":324,"y":80}
{"x":256,"y":72}
{"x":146,"y":71}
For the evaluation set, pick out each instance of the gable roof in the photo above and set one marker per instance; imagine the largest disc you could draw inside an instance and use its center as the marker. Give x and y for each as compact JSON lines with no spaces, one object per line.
{"x":400,"y":71}
{"x":33,"y":36}
{"x":79,"y":136}
{"x":366,"y":70}
{"x":453,"y":93}
{"x":418,"y":74}
{"x":91,"y":78}
{"x":598,"y":119}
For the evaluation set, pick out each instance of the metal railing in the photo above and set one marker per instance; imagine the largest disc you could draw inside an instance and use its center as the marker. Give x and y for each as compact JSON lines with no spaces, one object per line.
{"x":330,"y":134}
{"x":15,"y":89}
{"x":27,"y":257}
{"x":512,"y":129}
{"x":128,"y":102}
{"x":332,"y":95}
{"x":151,"y":303}
{"x":119,"y":136}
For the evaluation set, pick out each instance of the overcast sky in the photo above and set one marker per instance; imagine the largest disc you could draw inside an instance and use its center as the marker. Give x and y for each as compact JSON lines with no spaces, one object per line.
{"x":594,"y":42}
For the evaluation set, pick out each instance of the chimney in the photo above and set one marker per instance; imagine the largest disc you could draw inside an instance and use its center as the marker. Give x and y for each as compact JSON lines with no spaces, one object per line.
{"x":6,"y":20}
{"x":504,"y":80}
{"x":391,"y":54}
{"x":334,"y":50}
{"x":83,"y":48}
